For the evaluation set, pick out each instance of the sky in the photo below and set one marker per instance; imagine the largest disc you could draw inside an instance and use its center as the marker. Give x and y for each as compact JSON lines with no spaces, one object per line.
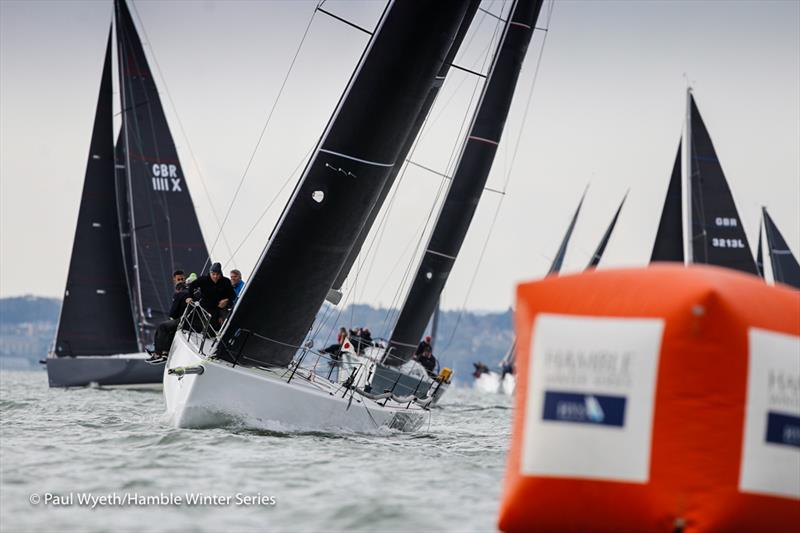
{"x":605,"y":107}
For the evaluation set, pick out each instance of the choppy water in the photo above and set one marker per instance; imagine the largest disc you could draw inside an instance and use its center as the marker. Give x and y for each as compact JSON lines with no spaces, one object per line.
{"x":446,"y":477}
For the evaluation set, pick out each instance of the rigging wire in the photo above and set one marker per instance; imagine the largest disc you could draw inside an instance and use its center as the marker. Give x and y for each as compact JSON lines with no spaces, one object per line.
{"x":505,"y":184}
{"x":263,"y":131}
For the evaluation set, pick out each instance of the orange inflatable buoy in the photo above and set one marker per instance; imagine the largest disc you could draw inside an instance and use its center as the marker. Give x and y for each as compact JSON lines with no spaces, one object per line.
{"x":655,"y":399}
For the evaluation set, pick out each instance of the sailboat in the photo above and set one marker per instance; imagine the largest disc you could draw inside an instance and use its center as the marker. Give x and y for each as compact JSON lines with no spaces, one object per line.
{"x":136,"y":225}
{"x":601,"y":247}
{"x":785,"y":268}
{"x":395,"y":370}
{"x":700,"y":222}
{"x":256,"y":369}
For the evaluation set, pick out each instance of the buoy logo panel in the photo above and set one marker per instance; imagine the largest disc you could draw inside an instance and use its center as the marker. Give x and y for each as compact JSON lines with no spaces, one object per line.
{"x":771,"y":444}
{"x":590,"y":398}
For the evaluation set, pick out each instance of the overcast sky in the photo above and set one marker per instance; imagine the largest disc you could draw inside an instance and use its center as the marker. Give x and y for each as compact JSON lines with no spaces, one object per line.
{"x":607,"y":109}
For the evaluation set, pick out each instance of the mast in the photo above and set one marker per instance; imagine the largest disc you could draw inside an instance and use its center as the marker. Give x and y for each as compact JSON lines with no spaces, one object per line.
{"x":165,"y":232}
{"x":601,"y":248}
{"x":466,"y":186}
{"x":95,"y":316}
{"x":349,"y":168}
{"x":785,"y":268}
{"x":472,"y":8}
{"x":688,"y":224}
{"x":558,"y":260}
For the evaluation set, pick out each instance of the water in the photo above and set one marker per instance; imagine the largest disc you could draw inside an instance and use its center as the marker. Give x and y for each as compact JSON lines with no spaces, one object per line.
{"x":446,"y":477}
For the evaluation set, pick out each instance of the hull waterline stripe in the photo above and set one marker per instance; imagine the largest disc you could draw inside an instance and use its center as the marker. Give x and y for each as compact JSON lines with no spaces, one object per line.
{"x":374,"y":163}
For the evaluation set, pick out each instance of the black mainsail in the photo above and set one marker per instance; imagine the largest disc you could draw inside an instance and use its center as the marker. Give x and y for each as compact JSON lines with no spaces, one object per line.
{"x":601,"y":248}
{"x":717,"y":234}
{"x":558,"y":260}
{"x":712,"y":230}
{"x":165,"y":233}
{"x":467,"y":184}
{"x":785,"y":268}
{"x":342,"y":180}
{"x":96,"y":315}
{"x":759,"y":252}
{"x":669,"y":238}
{"x":423,"y":114}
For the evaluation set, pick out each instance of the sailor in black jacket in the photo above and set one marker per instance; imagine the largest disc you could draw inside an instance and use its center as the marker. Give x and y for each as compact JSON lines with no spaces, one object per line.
{"x":216,"y":292}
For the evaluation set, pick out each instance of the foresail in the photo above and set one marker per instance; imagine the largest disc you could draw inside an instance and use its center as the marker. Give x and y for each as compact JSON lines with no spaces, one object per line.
{"x":669,"y":238}
{"x":165,"y":232}
{"x":760,"y":252}
{"x":348,"y":169}
{"x":785,"y":268}
{"x":558,"y":260}
{"x":423,"y":114}
{"x":96,"y":315}
{"x":467,"y":184}
{"x":717,"y":234}
{"x":601,"y":248}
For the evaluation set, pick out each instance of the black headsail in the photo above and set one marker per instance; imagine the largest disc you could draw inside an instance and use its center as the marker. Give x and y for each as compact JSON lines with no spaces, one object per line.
{"x":717,"y":236}
{"x":423,"y":114}
{"x":96,"y":315}
{"x":558,"y":260}
{"x":601,"y":248}
{"x":467,"y":184}
{"x":785,"y":268}
{"x":669,"y":239}
{"x":342,"y":180}
{"x":165,"y":233}
{"x":759,"y":251}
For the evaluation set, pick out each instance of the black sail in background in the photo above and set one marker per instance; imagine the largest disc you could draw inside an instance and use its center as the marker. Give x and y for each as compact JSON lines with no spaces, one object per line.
{"x":96,"y":315}
{"x":760,"y":253}
{"x":669,"y":238}
{"x":469,"y":179}
{"x":423,"y":114}
{"x":342,"y":180}
{"x":601,"y":248}
{"x":785,"y":268}
{"x":166,"y":233}
{"x":558,"y":260}
{"x":718,"y":236}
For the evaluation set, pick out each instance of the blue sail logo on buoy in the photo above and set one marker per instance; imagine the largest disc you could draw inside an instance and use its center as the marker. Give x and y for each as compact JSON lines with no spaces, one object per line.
{"x":581,"y":408}
{"x":594,"y":411}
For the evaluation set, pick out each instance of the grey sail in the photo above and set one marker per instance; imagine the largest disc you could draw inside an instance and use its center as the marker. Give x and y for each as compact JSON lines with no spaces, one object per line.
{"x":341,"y":182}
{"x":558,"y":260}
{"x":423,"y":114}
{"x":785,"y":268}
{"x":467,"y":184}
{"x":96,"y":316}
{"x":165,"y":232}
{"x":668,"y":245}
{"x":717,"y":236}
{"x":601,"y":248}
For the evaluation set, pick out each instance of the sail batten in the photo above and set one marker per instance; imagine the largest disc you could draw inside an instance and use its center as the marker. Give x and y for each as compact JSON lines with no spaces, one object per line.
{"x":165,"y":232}
{"x":331,"y":203}
{"x":95,"y":314}
{"x":466,"y":186}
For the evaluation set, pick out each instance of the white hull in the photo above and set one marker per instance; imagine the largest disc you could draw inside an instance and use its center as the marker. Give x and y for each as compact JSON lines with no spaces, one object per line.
{"x":265,"y":398}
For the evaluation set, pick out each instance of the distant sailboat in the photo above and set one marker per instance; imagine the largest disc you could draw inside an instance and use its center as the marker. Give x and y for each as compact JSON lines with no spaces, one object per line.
{"x":558,"y":260}
{"x":250,"y":372}
{"x":136,"y":225}
{"x":601,"y":248}
{"x":785,"y":268}
{"x":699,"y":222}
